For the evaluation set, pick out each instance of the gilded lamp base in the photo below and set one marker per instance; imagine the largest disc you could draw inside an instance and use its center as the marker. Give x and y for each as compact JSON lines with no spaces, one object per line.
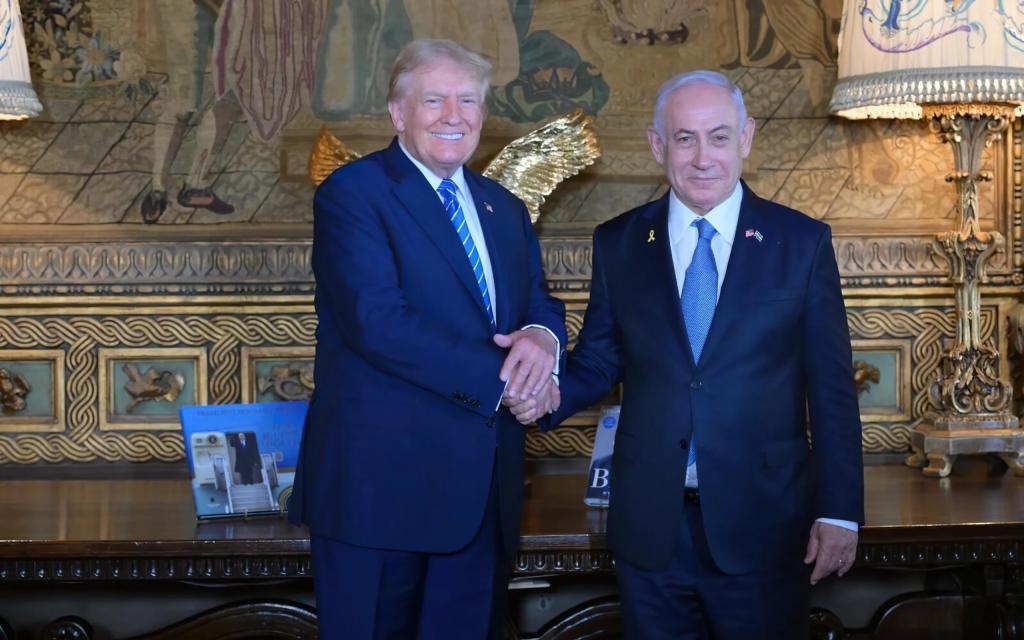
{"x":938,"y":439}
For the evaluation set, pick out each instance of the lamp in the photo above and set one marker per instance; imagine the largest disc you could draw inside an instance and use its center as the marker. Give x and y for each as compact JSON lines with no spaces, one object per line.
{"x":17,"y":98}
{"x":959,"y":63}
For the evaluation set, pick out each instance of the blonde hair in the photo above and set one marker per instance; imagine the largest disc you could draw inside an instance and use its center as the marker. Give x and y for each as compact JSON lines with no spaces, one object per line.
{"x":425,"y":52}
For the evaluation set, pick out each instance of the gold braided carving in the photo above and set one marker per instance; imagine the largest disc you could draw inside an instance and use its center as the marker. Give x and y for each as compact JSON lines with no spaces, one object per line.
{"x":564,"y":442}
{"x":879,"y":438}
{"x":224,"y":335}
{"x":82,"y":337}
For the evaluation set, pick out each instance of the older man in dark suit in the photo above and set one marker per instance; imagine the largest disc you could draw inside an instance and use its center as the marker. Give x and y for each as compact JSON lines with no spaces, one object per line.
{"x":722,"y":314}
{"x":431,"y":303}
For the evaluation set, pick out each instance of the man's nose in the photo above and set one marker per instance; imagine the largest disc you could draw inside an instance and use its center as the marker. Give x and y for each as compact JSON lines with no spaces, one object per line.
{"x":450,"y":112}
{"x":702,"y":158}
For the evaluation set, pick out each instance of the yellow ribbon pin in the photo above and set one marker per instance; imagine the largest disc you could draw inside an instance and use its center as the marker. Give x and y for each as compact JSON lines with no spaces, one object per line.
{"x":650,"y":236}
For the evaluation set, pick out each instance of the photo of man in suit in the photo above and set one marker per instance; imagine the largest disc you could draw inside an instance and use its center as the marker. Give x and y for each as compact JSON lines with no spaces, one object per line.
{"x":247,"y":458}
{"x":432,"y":304}
{"x":722,"y":314}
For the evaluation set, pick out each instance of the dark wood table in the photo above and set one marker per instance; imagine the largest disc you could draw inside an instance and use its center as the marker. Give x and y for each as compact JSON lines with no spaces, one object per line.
{"x":121,"y":538}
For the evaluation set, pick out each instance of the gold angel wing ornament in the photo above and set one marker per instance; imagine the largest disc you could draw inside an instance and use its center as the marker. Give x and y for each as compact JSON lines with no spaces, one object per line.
{"x":530,"y":167}
{"x":328,"y":154}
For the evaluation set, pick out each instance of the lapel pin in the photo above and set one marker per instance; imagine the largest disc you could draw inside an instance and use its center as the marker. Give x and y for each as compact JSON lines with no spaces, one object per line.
{"x":490,"y":209}
{"x":755,"y":234}
{"x":650,"y":236}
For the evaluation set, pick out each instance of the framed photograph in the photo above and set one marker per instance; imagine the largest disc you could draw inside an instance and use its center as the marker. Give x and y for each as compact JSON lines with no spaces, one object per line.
{"x":242,"y":457}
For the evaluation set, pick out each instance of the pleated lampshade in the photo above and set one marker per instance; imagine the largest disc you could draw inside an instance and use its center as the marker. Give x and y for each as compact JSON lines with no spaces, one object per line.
{"x":17,"y":97}
{"x":914,"y":58}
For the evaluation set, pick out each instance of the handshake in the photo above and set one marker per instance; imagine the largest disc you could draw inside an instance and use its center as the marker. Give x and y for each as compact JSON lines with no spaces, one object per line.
{"x":530,"y":390}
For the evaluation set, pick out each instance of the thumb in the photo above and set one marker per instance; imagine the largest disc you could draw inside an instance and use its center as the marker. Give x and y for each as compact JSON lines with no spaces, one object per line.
{"x":812,"y":546}
{"x":504,"y":340}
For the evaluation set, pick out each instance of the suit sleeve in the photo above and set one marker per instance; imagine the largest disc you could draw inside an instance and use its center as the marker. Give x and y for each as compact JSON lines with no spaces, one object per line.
{"x":595,"y":365}
{"x":831,"y":396}
{"x":357,"y":275}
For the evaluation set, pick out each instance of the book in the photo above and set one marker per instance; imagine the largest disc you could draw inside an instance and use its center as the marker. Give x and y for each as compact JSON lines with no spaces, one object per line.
{"x":599,"y":478}
{"x":242,"y":457}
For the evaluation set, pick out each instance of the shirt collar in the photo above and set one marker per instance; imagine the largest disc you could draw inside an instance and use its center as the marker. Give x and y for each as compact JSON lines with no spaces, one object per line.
{"x":435,"y":181}
{"x":724,"y":218}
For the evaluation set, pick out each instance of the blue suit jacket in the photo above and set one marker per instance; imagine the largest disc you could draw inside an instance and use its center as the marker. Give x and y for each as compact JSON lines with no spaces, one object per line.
{"x":777,"y":356}
{"x":403,"y":434}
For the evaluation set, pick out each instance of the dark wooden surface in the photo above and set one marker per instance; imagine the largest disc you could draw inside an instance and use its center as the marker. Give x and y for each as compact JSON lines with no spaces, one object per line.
{"x":47,"y":518}
{"x":938,"y":559}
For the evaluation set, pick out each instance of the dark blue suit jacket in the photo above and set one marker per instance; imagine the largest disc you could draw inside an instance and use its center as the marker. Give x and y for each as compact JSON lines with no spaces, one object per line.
{"x":403,"y":433}
{"x":777,"y":356}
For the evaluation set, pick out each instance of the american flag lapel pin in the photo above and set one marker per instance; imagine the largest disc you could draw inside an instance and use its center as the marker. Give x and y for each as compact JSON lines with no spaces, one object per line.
{"x":490,"y":209}
{"x":753,"y":233}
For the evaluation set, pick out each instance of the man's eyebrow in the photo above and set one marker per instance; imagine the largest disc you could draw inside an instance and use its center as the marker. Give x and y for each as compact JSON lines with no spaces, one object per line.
{"x":691,"y":132}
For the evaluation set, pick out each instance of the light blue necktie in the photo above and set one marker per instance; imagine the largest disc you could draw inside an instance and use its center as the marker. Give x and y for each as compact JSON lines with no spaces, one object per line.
{"x":448,"y":192}
{"x":700,"y":295}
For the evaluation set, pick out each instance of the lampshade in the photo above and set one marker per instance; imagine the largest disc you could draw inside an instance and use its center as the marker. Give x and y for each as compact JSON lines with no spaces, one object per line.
{"x":17,"y":98}
{"x":897,"y":56}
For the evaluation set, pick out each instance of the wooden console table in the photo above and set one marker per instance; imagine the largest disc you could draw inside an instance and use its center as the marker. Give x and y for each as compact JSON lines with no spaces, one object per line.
{"x":126,"y":559}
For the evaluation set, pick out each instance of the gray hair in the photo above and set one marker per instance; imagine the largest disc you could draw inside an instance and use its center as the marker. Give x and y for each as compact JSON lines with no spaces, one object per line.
{"x":425,"y":52}
{"x":696,"y":77}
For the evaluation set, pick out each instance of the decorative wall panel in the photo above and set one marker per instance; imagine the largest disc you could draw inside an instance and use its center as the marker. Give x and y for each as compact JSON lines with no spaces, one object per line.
{"x":100,"y":340}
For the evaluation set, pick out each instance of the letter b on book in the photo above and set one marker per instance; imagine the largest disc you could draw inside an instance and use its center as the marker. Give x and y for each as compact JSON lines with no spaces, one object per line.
{"x":599,"y":482}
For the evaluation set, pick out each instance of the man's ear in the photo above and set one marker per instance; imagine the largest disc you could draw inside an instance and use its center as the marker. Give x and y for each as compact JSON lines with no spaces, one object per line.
{"x":747,"y":137}
{"x":395,"y":109}
{"x":657,"y":145}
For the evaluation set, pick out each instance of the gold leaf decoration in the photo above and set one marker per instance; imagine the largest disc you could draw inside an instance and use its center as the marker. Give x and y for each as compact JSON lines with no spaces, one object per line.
{"x":533,"y":165}
{"x":328,"y":154}
{"x":530,"y":167}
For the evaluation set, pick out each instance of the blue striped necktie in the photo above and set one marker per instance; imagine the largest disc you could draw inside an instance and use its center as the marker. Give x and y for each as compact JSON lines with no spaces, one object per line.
{"x":449,"y":197}
{"x":700,"y":296}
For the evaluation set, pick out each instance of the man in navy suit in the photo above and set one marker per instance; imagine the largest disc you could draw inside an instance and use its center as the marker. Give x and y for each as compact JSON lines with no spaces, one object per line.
{"x":432,"y":304}
{"x":722,"y":314}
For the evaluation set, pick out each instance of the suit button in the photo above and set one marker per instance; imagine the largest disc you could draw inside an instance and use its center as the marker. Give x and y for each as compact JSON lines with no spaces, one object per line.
{"x":683,"y":443}
{"x":491,"y":421}
{"x":696,"y":384}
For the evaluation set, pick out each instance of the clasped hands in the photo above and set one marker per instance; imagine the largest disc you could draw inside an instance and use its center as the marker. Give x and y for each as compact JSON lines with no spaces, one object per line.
{"x":530,"y":389}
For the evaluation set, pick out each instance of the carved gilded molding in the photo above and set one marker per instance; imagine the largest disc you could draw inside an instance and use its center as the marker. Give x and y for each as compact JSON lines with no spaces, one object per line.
{"x":923,"y":553}
{"x":283,"y":266}
{"x":547,"y":561}
{"x":553,"y":561}
{"x":154,"y":568}
{"x":44,"y":268}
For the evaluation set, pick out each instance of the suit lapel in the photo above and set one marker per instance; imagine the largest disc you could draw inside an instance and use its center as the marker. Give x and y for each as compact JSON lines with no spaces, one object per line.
{"x":743,"y":261}
{"x":424,"y":206}
{"x":493,"y":222}
{"x":653,"y":263}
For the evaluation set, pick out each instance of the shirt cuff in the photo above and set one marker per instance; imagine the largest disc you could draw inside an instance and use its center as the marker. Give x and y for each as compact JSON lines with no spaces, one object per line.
{"x":558,"y":345}
{"x":502,"y":396}
{"x":846,"y":524}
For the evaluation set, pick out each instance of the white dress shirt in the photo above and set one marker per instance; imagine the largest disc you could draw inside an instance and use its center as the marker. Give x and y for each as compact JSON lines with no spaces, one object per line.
{"x":683,"y":236}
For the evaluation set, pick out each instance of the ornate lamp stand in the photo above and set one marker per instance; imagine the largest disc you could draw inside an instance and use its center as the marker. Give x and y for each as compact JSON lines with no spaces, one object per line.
{"x":972,"y":403}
